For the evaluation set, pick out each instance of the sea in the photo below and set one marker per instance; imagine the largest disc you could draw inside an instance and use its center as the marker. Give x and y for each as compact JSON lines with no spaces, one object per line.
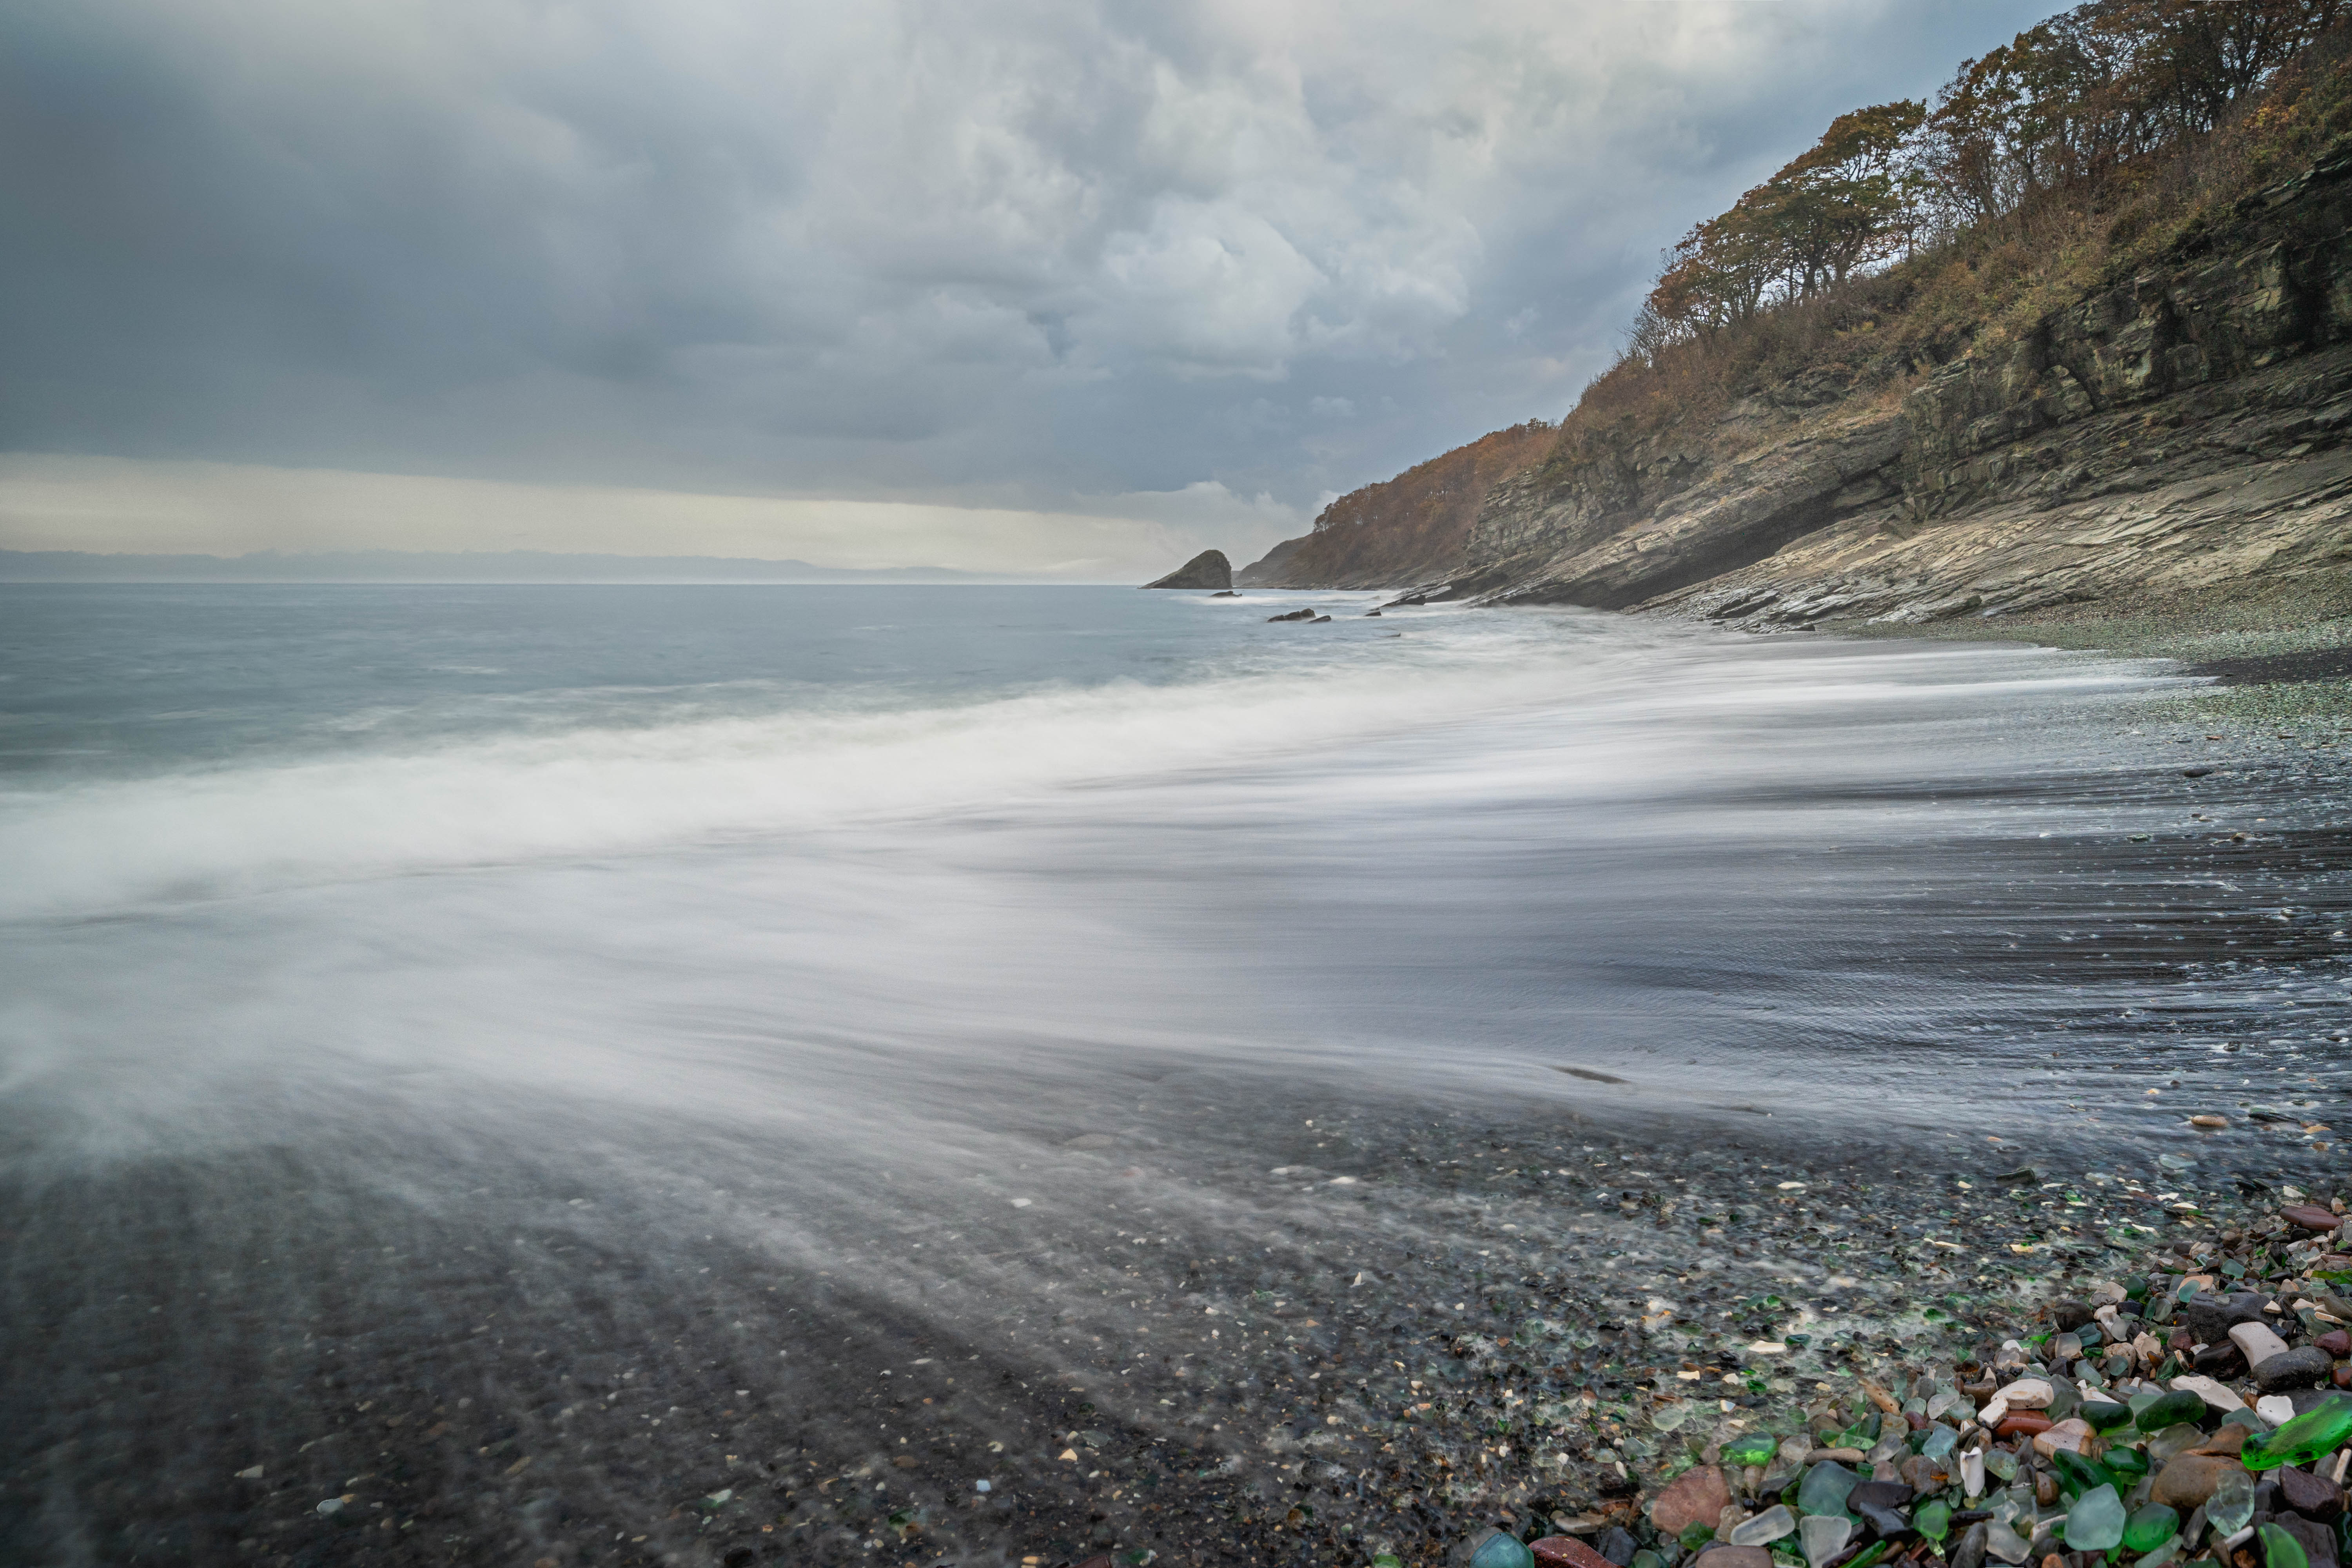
{"x":386,"y":970}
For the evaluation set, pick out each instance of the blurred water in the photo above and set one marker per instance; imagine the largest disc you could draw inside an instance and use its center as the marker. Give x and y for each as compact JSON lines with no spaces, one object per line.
{"x":848,"y":854}
{"x":506,"y":1007}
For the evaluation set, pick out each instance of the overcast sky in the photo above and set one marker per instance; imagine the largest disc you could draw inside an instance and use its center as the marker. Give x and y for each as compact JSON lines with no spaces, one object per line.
{"x":1186,"y":269}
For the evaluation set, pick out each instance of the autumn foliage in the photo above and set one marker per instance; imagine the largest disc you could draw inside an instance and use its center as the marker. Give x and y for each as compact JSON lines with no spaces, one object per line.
{"x":1418,"y":521}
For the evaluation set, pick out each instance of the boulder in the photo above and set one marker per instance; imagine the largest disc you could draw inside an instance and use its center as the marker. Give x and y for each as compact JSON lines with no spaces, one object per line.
{"x":1209,"y":569}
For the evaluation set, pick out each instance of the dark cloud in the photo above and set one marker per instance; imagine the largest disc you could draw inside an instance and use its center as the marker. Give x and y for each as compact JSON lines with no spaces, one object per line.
{"x":1009,"y":252}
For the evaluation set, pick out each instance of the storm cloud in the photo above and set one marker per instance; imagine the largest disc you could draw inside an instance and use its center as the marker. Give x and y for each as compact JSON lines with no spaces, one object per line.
{"x":989,"y":255}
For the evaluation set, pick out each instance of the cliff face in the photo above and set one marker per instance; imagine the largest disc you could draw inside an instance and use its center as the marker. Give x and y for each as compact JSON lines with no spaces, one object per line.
{"x":1406,"y":532}
{"x":2174,"y":428}
{"x":2170,"y":430}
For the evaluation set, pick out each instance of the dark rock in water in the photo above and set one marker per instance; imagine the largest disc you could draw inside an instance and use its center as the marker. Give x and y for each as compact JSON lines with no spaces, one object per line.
{"x":2308,"y":1494}
{"x":2194,"y":773}
{"x":1293,"y":615}
{"x":1317,"y":620}
{"x":2294,"y":1368}
{"x":1225,"y":594}
{"x":1371,"y":612}
{"x":1209,"y":569}
{"x":2069,"y":1315}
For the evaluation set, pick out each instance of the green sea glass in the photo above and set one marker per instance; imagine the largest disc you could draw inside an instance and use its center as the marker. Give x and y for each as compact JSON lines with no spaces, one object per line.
{"x":2151,"y":1528}
{"x":2104,"y":1417}
{"x":1933,"y":1519}
{"x":1825,"y":1488}
{"x":1753,"y":1448}
{"x":2170,"y":1409}
{"x":2280,"y":1550}
{"x":2321,"y":1429}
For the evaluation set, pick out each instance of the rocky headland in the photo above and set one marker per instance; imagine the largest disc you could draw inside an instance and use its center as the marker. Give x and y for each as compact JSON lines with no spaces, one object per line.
{"x":2153,"y":419}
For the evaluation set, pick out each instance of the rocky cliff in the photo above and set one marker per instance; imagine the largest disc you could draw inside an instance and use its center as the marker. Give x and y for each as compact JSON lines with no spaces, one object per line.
{"x":2175,"y":426}
{"x":1408,"y":530}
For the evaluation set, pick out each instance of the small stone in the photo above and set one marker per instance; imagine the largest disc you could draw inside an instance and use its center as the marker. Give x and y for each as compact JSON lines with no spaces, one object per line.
{"x":2191,"y":1480}
{"x":1618,"y":1545}
{"x":2310,"y":1216}
{"x":1567,"y":1551}
{"x":2336,"y":1343}
{"x":1698,"y":1496}
{"x":1968,"y":1552}
{"x":1764,"y":1529}
{"x":1823,"y":1536}
{"x":2292,"y":1369}
{"x":2095,"y":1522}
{"x":2227,"y":1441}
{"x":253,"y":1474}
{"x":2274,"y":1409}
{"x":2256,"y":1343}
{"x":2026,"y":1393}
{"x":2070,"y":1434}
{"x":2308,"y":1494}
{"x":2070,"y":1314}
{"x":1735,"y":1557}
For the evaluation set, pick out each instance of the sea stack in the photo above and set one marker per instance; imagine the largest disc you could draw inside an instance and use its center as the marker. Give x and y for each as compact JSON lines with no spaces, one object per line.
{"x":1209,"y":569}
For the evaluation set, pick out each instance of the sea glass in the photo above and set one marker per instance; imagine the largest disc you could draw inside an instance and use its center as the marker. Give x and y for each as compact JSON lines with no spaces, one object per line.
{"x":1766,"y":1527}
{"x":2232,"y":1506}
{"x":2151,"y":1528}
{"x":1933,"y":1519}
{"x":2104,"y":1417}
{"x":1753,"y":1448}
{"x":2280,"y":1550}
{"x":1501,"y":1550}
{"x":2321,"y":1429}
{"x":2170,"y":1410}
{"x":2095,"y":1522}
{"x":2006,"y":1544}
{"x":1825,"y":1488}
{"x":1823,"y":1536}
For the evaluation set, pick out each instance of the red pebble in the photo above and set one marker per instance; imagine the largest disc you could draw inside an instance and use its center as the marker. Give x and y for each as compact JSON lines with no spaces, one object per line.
{"x":2336,"y":1343}
{"x":2310,"y":1216}
{"x":1569,"y":1550}
{"x":2024,"y":1421}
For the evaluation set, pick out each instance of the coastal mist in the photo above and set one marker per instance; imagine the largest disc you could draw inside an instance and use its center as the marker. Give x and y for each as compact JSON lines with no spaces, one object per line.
{"x":523,"y":1071}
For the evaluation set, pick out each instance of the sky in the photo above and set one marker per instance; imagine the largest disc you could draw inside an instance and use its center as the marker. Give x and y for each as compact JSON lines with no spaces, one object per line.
{"x":1067,"y":289}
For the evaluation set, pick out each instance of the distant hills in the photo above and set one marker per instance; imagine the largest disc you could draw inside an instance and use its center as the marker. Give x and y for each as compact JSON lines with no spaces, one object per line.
{"x":427,"y":566}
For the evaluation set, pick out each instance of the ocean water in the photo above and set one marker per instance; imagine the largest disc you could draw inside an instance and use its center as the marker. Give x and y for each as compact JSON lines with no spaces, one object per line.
{"x":350,"y":936}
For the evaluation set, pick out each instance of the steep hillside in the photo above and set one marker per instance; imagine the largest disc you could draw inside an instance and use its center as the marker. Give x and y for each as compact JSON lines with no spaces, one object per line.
{"x":1405,"y":531}
{"x":2134,"y":379}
